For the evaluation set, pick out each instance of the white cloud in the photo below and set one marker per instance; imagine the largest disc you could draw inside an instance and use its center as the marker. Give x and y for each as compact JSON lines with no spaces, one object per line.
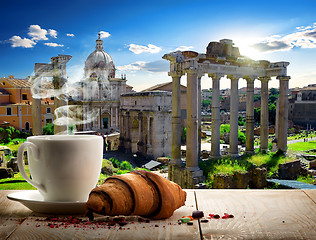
{"x":53,"y":44}
{"x":304,"y":37}
{"x":156,"y":66}
{"x":70,"y":35}
{"x":132,"y":67}
{"x":137,"y":49}
{"x":104,"y":34}
{"x":184,"y":48}
{"x":17,"y":41}
{"x":37,"y":33}
{"x":52,"y":33}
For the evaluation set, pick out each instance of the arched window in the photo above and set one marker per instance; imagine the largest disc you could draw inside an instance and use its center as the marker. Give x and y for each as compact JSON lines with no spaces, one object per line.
{"x":27,"y":126}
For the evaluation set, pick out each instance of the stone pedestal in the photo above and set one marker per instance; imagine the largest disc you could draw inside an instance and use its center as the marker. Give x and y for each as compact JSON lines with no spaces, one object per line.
{"x":222,"y":181}
{"x":185,"y":178}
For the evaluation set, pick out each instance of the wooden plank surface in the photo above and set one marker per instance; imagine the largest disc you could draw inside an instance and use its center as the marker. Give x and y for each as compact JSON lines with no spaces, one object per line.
{"x":258,"y":214}
{"x":37,"y":228}
{"x":12,"y":214}
{"x":311,"y":194}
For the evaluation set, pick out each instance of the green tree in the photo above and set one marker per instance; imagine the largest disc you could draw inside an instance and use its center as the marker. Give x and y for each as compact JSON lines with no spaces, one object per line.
{"x":273,"y":96}
{"x":125,"y":165}
{"x":48,"y":129}
{"x":184,"y":135}
{"x":257,"y":112}
{"x":272,"y":113}
{"x":257,"y":97}
{"x":206,"y":103}
{"x":225,"y":128}
{"x":241,"y":121}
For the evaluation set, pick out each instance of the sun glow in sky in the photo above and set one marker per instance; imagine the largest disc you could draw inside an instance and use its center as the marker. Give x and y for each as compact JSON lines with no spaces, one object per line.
{"x":138,"y":33}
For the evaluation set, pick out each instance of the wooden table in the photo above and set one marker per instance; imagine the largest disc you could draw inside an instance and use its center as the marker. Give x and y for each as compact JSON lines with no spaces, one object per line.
{"x":258,"y":214}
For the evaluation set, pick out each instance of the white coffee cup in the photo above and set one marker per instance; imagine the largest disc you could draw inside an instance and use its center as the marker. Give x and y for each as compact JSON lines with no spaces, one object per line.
{"x":63,"y":167}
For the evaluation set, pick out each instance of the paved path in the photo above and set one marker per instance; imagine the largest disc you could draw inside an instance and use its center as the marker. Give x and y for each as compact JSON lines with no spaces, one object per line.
{"x":293,"y":184}
{"x":302,"y":140}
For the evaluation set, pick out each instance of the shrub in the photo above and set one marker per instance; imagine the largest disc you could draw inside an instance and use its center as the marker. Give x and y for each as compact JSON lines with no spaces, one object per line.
{"x":184,"y":135}
{"x":48,"y":129}
{"x":225,"y":128}
{"x":125,"y":165}
{"x":241,"y":137}
{"x":119,"y":172}
{"x":15,"y":153}
{"x":115,"y":162}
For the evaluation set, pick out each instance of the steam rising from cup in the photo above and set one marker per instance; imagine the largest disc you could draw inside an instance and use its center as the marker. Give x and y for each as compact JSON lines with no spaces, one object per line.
{"x":73,"y":96}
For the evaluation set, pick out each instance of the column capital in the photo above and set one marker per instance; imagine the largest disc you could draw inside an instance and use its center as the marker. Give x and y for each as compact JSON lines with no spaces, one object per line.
{"x":264,"y":78}
{"x":200,"y":73}
{"x":249,"y":78}
{"x":192,"y":66}
{"x":215,"y":76}
{"x":283,"y":78}
{"x":233,"y":77}
{"x":176,"y":74}
{"x":192,"y":70}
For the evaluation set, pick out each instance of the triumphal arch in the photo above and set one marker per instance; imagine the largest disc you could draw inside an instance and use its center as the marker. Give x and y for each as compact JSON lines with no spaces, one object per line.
{"x":221,"y":59}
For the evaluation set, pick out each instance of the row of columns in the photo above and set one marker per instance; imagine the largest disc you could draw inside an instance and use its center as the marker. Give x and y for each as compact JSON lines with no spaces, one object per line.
{"x":193,"y":116}
{"x":125,"y":127}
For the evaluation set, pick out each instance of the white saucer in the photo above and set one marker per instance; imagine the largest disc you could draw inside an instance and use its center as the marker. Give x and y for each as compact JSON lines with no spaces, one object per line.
{"x":34,"y":201}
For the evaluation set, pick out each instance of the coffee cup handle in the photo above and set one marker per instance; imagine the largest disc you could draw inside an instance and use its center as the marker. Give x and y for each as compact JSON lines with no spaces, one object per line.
{"x":35,"y":152}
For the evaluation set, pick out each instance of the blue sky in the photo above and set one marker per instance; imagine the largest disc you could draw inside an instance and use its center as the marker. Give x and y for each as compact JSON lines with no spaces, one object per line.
{"x":138,"y":33}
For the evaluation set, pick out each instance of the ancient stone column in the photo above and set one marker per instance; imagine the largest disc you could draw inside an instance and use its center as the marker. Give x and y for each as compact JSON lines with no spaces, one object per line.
{"x":192,"y":135}
{"x":176,"y":120}
{"x":216,"y":119}
{"x":122,"y":127}
{"x":250,"y":122}
{"x":234,"y":102}
{"x":283,"y":112}
{"x":149,"y":152}
{"x":199,"y":102}
{"x":127,"y":134}
{"x":264,"y":115}
{"x":36,"y":117}
{"x":140,"y":142}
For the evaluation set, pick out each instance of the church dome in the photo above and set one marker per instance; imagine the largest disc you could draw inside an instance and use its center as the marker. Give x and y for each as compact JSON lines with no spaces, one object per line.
{"x":99,"y":62}
{"x":99,"y":59}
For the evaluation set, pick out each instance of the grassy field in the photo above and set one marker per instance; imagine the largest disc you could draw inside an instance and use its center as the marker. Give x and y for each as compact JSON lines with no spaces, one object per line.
{"x":302,"y":146}
{"x":17,"y":182}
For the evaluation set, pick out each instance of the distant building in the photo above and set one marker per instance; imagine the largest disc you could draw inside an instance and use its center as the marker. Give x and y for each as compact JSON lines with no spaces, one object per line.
{"x":206,"y":94}
{"x":168,"y":87}
{"x":99,"y":92}
{"x":145,"y":126}
{"x":302,"y":106}
{"x":15,"y":104}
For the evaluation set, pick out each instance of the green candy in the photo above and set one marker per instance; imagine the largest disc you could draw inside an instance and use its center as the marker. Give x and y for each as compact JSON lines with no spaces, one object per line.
{"x":185,"y":220}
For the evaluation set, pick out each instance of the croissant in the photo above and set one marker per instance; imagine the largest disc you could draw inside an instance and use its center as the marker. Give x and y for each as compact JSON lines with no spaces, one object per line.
{"x":139,"y":193}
